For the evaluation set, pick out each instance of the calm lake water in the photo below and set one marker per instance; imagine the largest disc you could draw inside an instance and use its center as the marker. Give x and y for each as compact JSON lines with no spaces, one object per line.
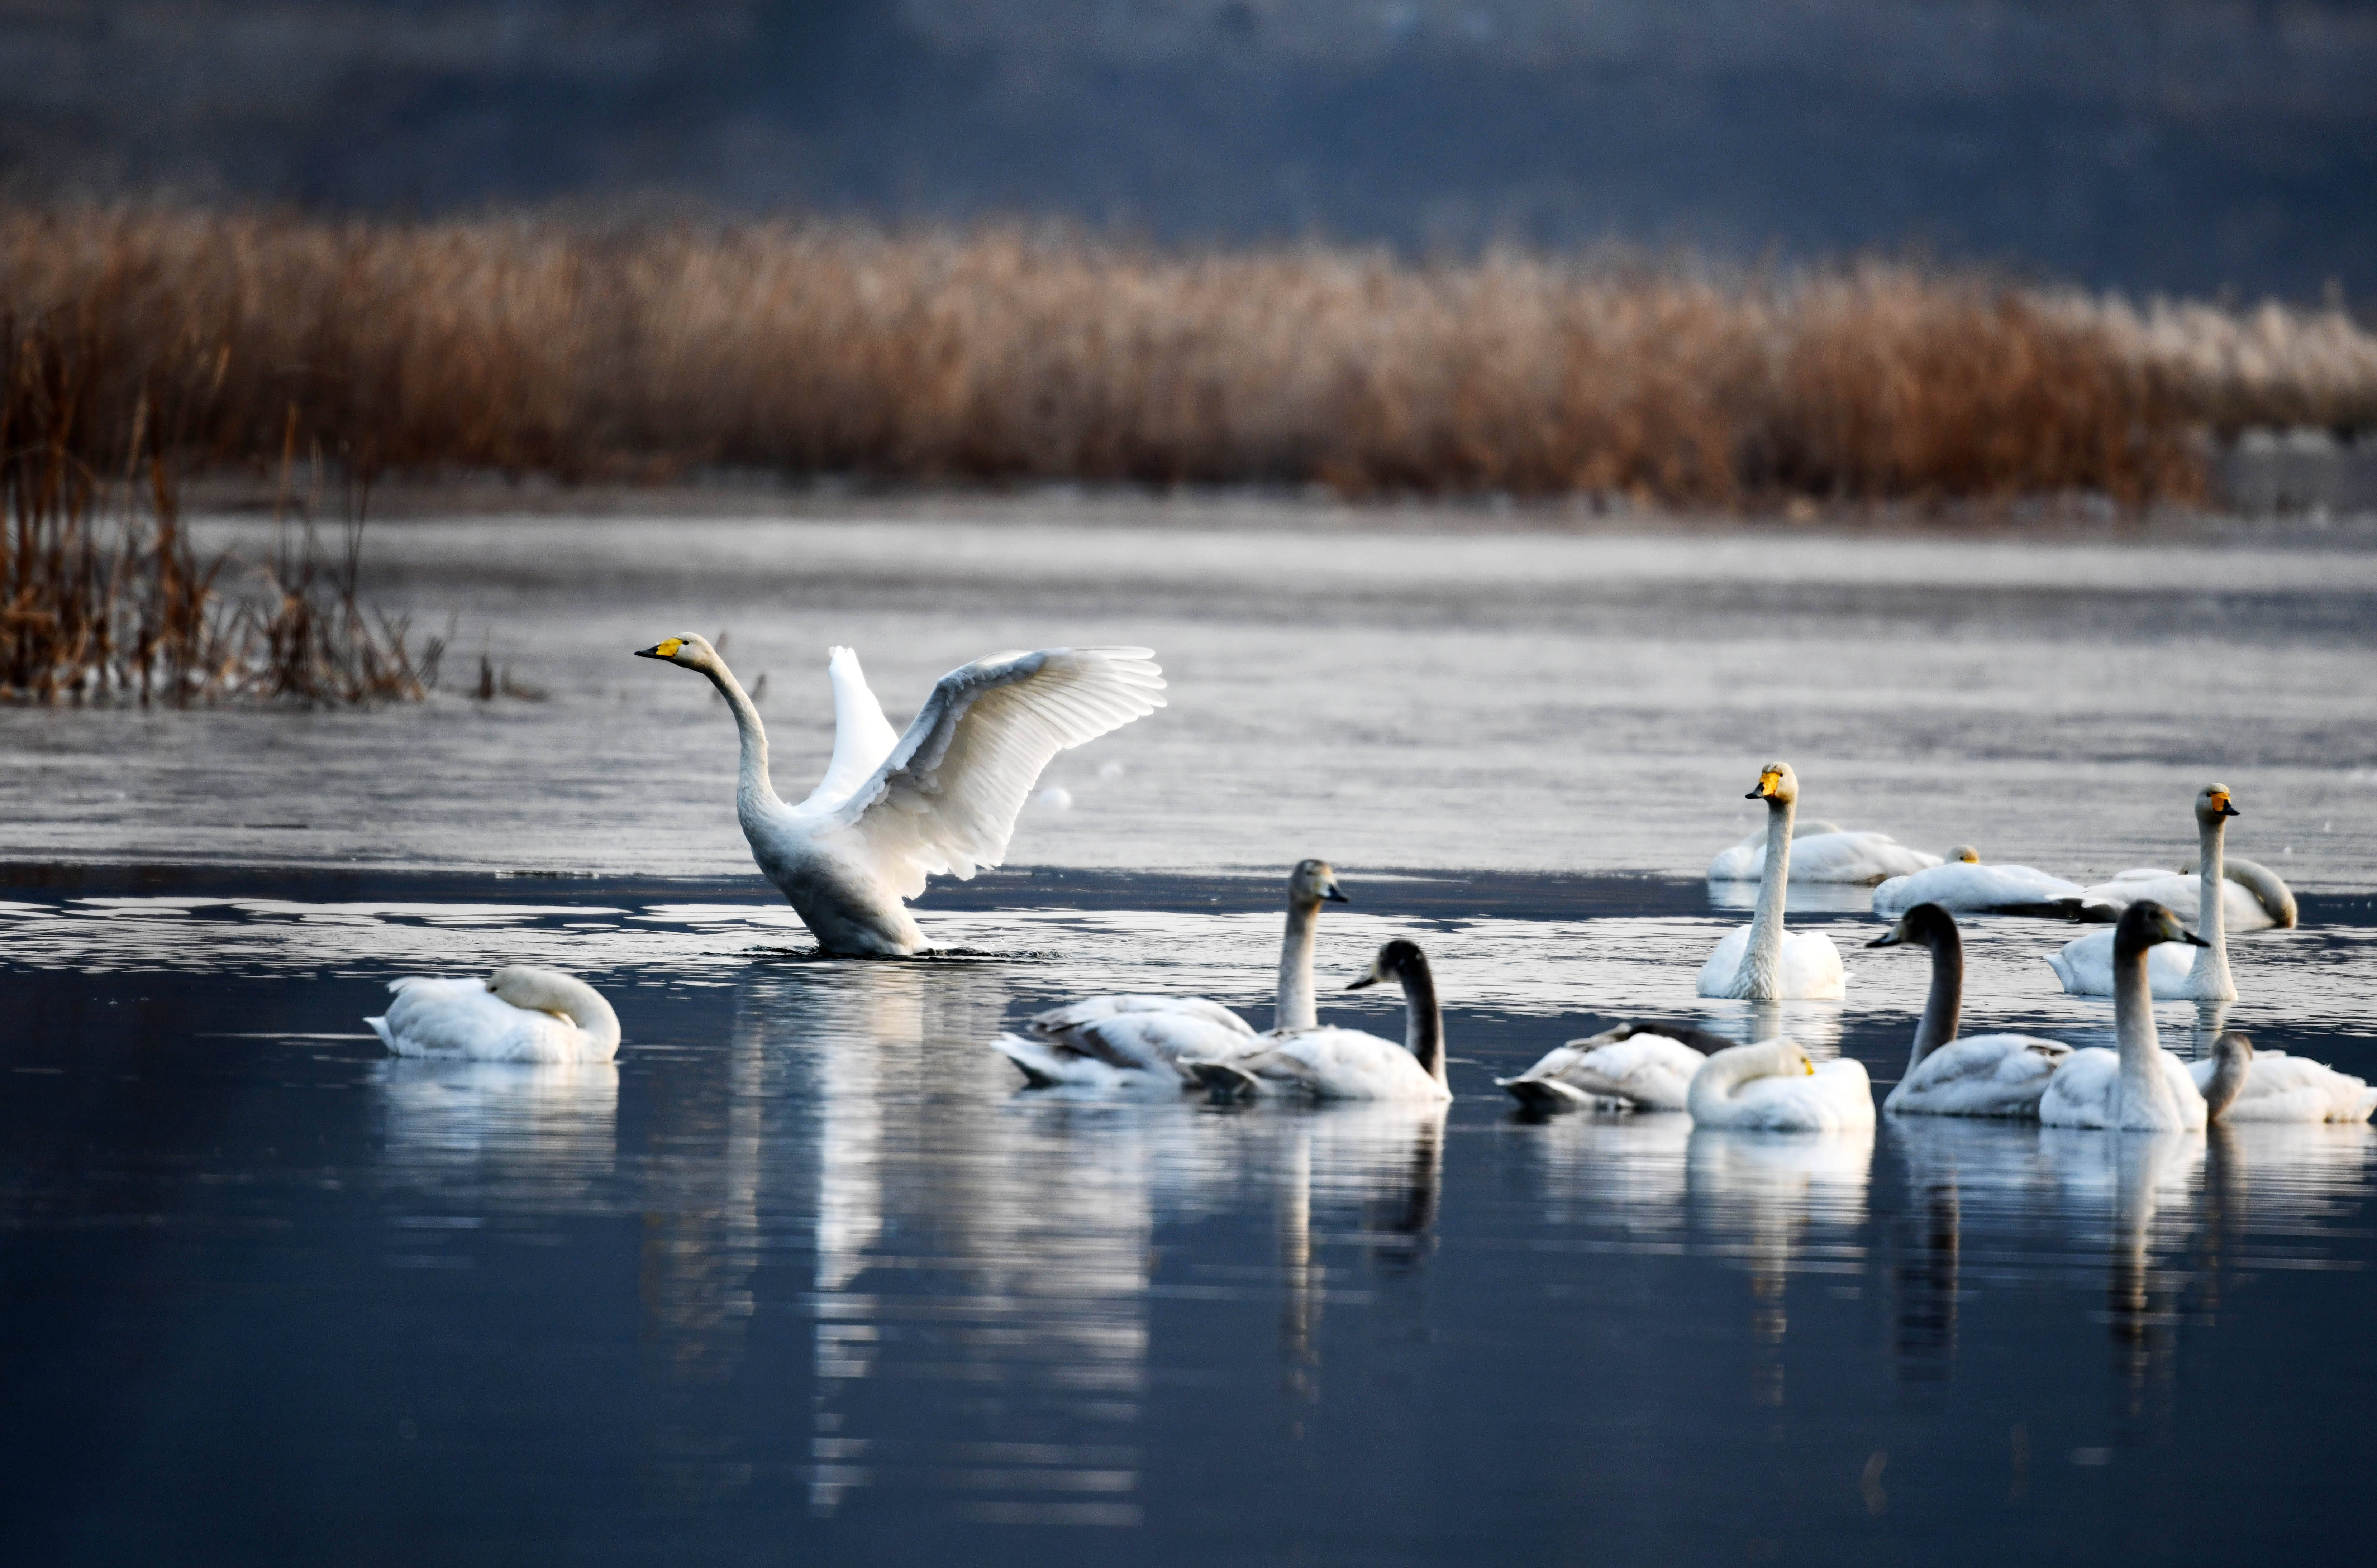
{"x":804,"y":1277}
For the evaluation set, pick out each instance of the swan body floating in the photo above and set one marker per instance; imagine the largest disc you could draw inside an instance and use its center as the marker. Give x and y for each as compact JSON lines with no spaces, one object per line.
{"x":518,"y":1014}
{"x":1101,"y":1041}
{"x":1964,"y":887}
{"x":2139,"y":1087}
{"x":2254,"y":897}
{"x":1821,"y":852}
{"x":939,"y":800}
{"x":2001,"y":1074}
{"x":1631,"y":1067}
{"x":2241,"y":1084}
{"x":2196,"y":973}
{"x":1773,"y":1087}
{"x":1333,"y":1063}
{"x":1760,"y":961}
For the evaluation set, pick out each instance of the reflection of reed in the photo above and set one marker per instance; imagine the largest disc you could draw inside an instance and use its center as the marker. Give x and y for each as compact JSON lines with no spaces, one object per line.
{"x":514,"y":1134}
{"x":1761,"y":1196}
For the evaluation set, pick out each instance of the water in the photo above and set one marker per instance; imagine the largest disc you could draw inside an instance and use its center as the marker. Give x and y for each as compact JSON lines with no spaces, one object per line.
{"x":805,"y":1276}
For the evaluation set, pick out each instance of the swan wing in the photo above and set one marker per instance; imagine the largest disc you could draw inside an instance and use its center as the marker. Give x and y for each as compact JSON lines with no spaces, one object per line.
{"x":1980,"y":1075}
{"x":463,"y":1017}
{"x":2279,"y":1088}
{"x":1811,"y":969}
{"x":2085,"y":964}
{"x":945,"y":800}
{"x":1335,"y":1063}
{"x":1056,"y":1022}
{"x":1650,"y":1071}
{"x":861,"y":736}
{"x":1854,"y":857}
{"x":1047,"y":1066}
{"x":1838,"y":1097}
{"x":1964,"y":888}
{"x":2086,"y":1092}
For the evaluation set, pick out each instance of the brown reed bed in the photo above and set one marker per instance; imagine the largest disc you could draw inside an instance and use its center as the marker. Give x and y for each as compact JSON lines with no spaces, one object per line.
{"x":104,"y":598}
{"x":582,"y":351}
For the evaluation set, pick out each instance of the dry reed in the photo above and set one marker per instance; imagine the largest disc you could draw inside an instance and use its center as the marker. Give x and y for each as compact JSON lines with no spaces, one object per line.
{"x":535,"y":346}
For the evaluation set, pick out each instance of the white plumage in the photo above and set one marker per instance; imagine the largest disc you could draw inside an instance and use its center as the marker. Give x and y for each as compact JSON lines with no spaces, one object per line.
{"x":518,"y":1014}
{"x":2085,"y":964}
{"x":1335,"y":1063}
{"x":939,"y":800}
{"x":1772,"y":1086}
{"x":2201,"y":972}
{"x":1628,"y":1067}
{"x":1761,"y":962}
{"x":1835,"y":856}
{"x":2139,"y":1088}
{"x":2241,"y":908}
{"x":2279,"y":1088}
{"x":1996,"y":1075}
{"x":1968,"y":887}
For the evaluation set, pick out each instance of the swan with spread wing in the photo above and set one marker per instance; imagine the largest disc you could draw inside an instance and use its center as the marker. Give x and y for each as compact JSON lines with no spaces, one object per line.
{"x":939,"y":800}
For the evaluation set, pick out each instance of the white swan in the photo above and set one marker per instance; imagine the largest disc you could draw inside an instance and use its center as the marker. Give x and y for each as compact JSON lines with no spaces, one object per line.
{"x":1997,"y":1075}
{"x":939,"y":800}
{"x":2194,"y":973}
{"x":1773,"y":1087}
{"x":2254,"y":898}
{"x":1102,"y":1042}
{"x":1964,"y":887}
{"x":518,"y":1014}
{"x":1760,"y":961}
{"x":1333,"y":1063}
{"x":1821,"y":852}
{"x":2240,"y":1083}
{"x":1632,"y":1066}
{"x":2141,"y":1088}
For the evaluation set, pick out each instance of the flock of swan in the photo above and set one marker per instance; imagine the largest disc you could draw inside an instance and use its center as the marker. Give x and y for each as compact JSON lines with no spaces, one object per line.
{"x":941,"y":799}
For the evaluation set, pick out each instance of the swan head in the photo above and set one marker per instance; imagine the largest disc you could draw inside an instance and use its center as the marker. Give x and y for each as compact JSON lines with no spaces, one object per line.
{"x":1398,"y":960}
{"x":529,"y":988}
{"x":1924,"y":925}
{"x":2212,"y":804}
{"x":2144,"y":923}
{"x":1776,"y":785}
{"x":1312,"y":884}
{"x":1966,"y":854}
{"x":692,"y":653}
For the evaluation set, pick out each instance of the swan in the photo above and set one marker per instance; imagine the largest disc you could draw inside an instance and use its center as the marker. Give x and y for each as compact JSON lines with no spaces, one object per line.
{"x":2240,"y":1083}
{"x":1984,"y":1075}
{"x":1964,"y":887}
{"x":2141,"y":1088}
{"x":1333,"y":1063}
{"x":1821,"y":852}
{"x":518,"y":1014}
{"x":2255,"y":898}
{"x":1102,"y":1042}
{"x":1760,"y":961}
{"x":1772,"y":1087}
{"x":939,"y":800}
{"x":2087,"y":967}
{"x":1632,"y":1066}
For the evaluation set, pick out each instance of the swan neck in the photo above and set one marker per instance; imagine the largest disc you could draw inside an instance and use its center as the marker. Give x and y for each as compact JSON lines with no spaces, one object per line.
{"x":586,"y":1007}
{"x":753,"y":787}
{"x":1943,"y":1008}
{"x":2133,"y":1021}
{"x":1294,"y":1008}
{"x":1774,"y":886}
{"x":1728,"y":1071}
{"x":2211,"y":970}
{"x":1423,"y":1020}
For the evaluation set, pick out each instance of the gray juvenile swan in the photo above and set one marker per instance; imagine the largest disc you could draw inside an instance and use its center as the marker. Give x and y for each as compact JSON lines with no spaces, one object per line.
{"x":1335,"y":1063}
{"x":2241,"y":1084}
{"x":1103,"y":1041}
{"x":940,"y":799}
{"x":2139,"y":1088}
{"x":1997,"y":1075}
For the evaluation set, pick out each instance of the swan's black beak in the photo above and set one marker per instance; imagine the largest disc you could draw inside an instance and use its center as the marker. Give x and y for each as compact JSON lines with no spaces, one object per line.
{"x":1371,"y":979}
{"x":2228,"y":808}
{"x":652,"y":653}
{"x":1757,"y":794}
{"x":2193,"y":940}
{"x":1887,"y":939}
{"x":1332,"y":894}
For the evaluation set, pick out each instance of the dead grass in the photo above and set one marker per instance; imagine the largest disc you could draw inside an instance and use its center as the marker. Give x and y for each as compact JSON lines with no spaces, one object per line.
{"x":534,"y":346}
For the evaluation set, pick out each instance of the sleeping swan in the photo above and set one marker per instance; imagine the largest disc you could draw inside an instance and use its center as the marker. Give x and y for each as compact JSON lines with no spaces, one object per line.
{"x":1821,"y":852}
{"x":1772,"y":1087}
{"x":1333,"y":1063}
{"x":1985,"y":1076}
{"x":2141,"y":1088}
{"x":2198,"y":972}
{"x":1760,"y":961}
{"x":1105,"y":1042}
{"x":1966,"y":886}
{"x":940,"y":799}
{"x":1631,"y":1067}
{"x":2240,"y":1083}
{"x":2255,"y":899}
{"x":518,"y":1014}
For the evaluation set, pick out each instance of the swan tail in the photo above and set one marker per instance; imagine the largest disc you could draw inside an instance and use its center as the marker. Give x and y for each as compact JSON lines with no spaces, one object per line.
{"x":1226,"y":1080}
{"x":1035,"y":1060}
{"x":379,"y":1027}
{"x":1543,"y":1094}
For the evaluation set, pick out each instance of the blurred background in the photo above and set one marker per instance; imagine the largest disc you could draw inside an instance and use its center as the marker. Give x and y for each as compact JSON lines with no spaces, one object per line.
{"x":2191,"y":146}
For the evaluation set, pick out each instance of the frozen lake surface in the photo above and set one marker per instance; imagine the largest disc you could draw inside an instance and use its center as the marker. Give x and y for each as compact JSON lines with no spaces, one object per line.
{"x":804,"y":1277}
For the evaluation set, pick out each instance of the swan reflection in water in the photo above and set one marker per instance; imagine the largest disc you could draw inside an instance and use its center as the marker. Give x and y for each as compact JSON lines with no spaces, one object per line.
{"x":514,"y":1134}
{"x":1815,"y":1026}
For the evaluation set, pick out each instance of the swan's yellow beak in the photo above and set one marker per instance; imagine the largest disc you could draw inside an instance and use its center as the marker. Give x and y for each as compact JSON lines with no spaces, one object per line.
{"x":2220,"y":806}
{"x":1767,"y":783}
{"x":661,"y":649}
{"x":1811,"y":1066}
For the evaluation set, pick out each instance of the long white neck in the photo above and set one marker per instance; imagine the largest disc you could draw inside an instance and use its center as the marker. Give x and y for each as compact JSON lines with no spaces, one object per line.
{"x":1729,"y":1070}
{"x":1762,"y":961}
{"x":2209,"y":980}
{"x":584,"y":1006}
{"x":753,"y":790}
{"x":1945,"y":1005}
{"x":1294,"y":1008}
{"x":2133,"y":1034}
